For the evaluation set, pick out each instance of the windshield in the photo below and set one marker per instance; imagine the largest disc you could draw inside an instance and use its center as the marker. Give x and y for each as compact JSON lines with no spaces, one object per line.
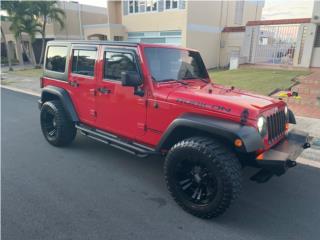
{"x":167,"y":64}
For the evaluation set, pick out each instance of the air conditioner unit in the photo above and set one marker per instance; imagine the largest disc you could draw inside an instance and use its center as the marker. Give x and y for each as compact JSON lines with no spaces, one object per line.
{"x":316,"y":12}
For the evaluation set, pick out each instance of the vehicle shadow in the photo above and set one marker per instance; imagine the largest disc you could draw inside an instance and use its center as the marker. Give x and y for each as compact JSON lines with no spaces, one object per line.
{"x":284,"y":207}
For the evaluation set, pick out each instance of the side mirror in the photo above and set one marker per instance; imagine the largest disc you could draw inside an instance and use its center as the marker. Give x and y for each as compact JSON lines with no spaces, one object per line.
{"x":130,"y":79}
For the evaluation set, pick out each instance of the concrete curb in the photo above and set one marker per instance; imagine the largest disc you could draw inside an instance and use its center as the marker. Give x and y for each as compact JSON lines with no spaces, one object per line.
{"x":21,"y":91}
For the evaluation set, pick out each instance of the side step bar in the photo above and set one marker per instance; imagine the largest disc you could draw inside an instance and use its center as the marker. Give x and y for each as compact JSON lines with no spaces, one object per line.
{"x":114,"y":141}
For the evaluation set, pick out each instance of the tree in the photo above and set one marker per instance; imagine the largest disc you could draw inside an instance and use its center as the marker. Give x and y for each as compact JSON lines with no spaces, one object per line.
{"x":22,"y":21}
{"x":46,"y":10}
{"x":7,"y":49}
{"x":29,"y":25}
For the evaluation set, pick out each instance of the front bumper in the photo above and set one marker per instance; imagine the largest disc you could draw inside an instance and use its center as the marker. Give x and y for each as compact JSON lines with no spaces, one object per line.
{"x":283,"y":155}
{"x":39,"y":103}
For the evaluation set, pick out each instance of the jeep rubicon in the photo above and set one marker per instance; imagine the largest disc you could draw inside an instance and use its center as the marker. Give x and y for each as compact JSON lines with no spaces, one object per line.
{"x":152,"y":99}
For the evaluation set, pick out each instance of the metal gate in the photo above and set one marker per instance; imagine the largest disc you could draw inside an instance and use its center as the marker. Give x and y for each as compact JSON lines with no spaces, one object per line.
{"x":275,"y":44}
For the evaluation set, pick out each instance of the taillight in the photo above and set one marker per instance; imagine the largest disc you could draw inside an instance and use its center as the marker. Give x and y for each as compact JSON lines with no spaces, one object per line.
{"x":41,"y":82}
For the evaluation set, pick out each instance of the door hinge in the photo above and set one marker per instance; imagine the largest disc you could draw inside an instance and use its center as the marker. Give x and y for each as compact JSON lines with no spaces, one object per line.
{"x":93,"y":92}
{"x":142,"y":126}
{"x":93,"y":113}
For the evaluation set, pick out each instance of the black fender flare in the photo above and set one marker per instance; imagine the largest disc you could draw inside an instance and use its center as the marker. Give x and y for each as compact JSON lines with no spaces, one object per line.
{"x":63,"y":96}
{"x":219,"y":128}
{"x":291,"y":117}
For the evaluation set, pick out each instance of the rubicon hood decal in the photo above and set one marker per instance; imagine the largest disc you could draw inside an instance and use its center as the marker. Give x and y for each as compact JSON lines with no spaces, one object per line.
{"x":203,"y":105}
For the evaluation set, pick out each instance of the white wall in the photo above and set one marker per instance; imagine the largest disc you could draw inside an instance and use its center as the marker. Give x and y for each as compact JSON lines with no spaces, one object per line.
{"x":304,"y":51}
{"x":315,"y":61}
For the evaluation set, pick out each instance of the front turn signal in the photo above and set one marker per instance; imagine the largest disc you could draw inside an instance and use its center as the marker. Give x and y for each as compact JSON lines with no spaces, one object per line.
{"x":238,"y":142}
{"x":287,"y":126}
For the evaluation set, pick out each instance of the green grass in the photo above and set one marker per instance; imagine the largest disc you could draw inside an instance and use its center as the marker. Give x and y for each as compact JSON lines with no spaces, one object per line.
{"x":261,"y":81}
{"x":28,"y":73}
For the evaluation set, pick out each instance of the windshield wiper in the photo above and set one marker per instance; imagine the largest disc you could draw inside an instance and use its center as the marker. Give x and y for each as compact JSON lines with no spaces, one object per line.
{"x":175,"y":80}
{"x":202,"y":79}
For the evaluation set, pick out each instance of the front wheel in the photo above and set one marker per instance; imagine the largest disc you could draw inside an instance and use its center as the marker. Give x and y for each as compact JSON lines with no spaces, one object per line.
{"x":203,"y":176}
{"x":56,"y":126}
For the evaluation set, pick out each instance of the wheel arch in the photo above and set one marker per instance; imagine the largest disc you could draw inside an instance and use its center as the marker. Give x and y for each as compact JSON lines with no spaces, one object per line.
{"x":50,"y":93}
{"x":190,"y":125}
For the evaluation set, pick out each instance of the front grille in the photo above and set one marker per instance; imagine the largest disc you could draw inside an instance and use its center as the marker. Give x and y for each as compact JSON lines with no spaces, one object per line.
{"x":276,"y":125}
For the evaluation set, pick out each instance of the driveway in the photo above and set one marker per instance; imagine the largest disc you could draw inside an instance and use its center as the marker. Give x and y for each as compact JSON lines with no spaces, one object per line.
{"x":309,"y":91}
{"x":92,"y":191}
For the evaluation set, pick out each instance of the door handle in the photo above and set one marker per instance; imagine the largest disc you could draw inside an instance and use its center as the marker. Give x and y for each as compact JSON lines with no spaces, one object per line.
{"x":104,"y":90}
{"x":74,"y":84}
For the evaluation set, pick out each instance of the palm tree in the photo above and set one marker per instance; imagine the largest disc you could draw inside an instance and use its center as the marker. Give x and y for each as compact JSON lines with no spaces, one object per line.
{"x":7,"y":49}
{"x":12,"y":9}
{"x":22,"y":21}
{"x":45,"y":10}
{"x":25,"y":24}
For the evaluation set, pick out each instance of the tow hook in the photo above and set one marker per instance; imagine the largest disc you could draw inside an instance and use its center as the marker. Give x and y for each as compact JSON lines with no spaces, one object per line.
{"x":291,"y":163}
{"x":306,"y":145}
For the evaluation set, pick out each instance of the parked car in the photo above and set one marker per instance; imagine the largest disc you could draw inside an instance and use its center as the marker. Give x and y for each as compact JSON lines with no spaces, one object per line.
{"x":159,"y":100}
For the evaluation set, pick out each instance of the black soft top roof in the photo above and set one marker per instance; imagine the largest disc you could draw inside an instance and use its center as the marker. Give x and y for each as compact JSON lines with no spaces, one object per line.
{"x":94,"y":42}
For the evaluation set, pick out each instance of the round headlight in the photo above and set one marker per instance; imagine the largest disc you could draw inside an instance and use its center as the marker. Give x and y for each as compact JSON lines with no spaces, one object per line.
{"x":261,"y":124}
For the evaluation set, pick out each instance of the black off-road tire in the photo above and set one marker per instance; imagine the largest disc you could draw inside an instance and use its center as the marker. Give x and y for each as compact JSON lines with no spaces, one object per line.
{"x":217,"y":161}
{"x":56,"y":126}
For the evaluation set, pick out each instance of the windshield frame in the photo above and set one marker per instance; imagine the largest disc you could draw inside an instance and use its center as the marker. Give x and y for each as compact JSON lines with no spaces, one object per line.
{"x":200,"y":63}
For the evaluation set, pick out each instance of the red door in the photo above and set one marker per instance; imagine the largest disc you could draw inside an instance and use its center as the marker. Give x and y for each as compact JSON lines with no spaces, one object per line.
{"x":119,"y":110}
{"x":82,"y":77}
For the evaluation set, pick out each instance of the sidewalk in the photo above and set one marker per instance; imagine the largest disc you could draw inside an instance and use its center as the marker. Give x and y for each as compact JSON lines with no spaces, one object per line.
{"x":309,"y":91}
{"x":23,"y":77}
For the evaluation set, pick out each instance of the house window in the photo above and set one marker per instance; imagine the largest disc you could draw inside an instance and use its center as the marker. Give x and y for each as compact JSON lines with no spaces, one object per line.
{"x":141,"y":6}
{"x":136,"y":6}
{"x":131,"y":9}
{"x":171,"y":4}
{"x":152,"y":5}
{"x":118,"y":38}
{"x":163,"y":37}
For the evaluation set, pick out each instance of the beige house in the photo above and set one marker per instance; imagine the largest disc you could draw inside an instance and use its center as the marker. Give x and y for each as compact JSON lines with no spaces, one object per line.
{"x":315,"y":47}
{"x":77,"y":15}
{"x":220,"y":30}
{"x":192,"y":24}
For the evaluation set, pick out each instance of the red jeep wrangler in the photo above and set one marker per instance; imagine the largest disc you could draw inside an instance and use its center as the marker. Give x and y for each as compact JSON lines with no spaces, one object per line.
{"x":153,"y":99}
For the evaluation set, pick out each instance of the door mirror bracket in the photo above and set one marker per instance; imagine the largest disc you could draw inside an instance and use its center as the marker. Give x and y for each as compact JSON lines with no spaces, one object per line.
{"x":138,"y":91}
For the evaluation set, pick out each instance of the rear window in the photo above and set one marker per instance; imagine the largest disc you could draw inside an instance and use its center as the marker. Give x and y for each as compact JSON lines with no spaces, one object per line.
{"x":83,"y":62}
{"x":56,"y":58}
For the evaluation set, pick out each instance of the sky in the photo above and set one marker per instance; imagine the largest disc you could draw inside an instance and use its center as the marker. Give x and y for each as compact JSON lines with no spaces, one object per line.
{"x":279,"y":9}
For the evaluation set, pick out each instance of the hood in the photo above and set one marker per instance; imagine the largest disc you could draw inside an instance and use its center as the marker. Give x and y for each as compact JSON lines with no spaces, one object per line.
{"x":221,"y":99}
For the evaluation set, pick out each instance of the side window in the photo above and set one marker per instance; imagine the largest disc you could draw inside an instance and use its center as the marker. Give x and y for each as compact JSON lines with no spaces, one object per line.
{"x":56,"y":58}
{"x":83,"y":62}
{"x":117,"y":62}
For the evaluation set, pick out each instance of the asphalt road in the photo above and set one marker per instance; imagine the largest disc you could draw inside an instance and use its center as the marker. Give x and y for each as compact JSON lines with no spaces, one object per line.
{"x":92,"y":191}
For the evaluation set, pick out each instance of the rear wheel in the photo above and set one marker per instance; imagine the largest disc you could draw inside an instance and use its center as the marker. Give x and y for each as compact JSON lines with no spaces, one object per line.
{"x":56,"y":126}
{"x":203,"y":176}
